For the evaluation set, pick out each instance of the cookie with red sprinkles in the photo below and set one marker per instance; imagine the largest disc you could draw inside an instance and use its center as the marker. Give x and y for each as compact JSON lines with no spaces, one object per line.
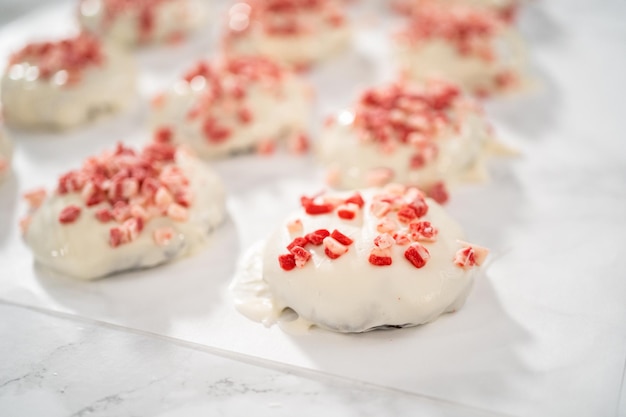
{"x":428,"y":136}
{"x":398,"y":261}
{"x":234,"y":104}
{"x":124,"y":209}
{"x":65,"y":83}
{"x":474,"y":47}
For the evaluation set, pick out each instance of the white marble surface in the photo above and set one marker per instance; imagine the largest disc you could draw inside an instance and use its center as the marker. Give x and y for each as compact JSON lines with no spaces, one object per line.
{"x":54,"y":365}
{"x":560,"y":296}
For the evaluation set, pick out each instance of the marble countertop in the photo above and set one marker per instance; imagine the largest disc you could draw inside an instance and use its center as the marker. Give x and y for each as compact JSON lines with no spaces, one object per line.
{"x":58,"y":364}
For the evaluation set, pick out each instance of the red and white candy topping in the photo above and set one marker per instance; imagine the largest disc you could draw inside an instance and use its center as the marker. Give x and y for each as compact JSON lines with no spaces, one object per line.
{"x":125,"y":189}
{"x":282,"y":17}
{"x":402,"y":113}
{"x":400,"y":212}
{"x":507,"y":11}
{"x":65,"y":60}
{"x":222,"y":102}
{"x":470,"y":30}
{"x":143,"y":16}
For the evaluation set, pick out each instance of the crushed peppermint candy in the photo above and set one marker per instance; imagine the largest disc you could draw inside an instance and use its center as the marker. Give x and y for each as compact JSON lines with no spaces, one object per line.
{"x":222,"y":105}
{"x":507,"y":11}
{"x":126,"y":188}
{"x":283,"y":17}
{"x":417,"y":254}
{"x":471,"y":30}
{"x":401,"y":211}
{"x":335,"y":245}
{"x":65,"y":59}
{"x":143,"y":11}
{"x":402,"y":117}
{"x":346,"y":209}
{"x":69,"y":214}
{"x":470,"y":256}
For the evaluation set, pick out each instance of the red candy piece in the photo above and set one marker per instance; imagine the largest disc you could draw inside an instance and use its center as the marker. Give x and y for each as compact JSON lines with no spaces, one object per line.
{"x":317,"y":209}
{"x":117,"y":236}
{"x":287,"y":261}
{"x":163,"y":134}
{"x":346,"y":213}
{"x":380,"y":260}
{"x":423,"y":231}
{"x":341,"y":238}
{"x":301,"y":255}
{"x":438,"y":192}
{"x":406,"y":214}
{"x":330,"y":254}
{"x":417,"y":254}
{"x":104,"y":215}
{"x":299,"y":241}
{"x":317,"y":237}
{"x":69,"y":214}
{"x":356,"y":199}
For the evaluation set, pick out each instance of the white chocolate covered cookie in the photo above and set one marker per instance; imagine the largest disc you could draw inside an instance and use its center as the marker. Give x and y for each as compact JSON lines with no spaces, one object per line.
{"x":354,"y":262}
{"x":124,"y":210}
{"x":66,"y":83}
{"x":233,"y":105}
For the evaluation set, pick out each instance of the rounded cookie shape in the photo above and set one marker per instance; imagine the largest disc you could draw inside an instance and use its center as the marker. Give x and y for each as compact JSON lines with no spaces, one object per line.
{"x":232,"y":105}
{"x":137,"y":22}
{"x":473,"y":47}
{"x":426,"y":136}
{"x":66,"y":83}
{"x":355,"y":262}
{"x":298,"y":32}
{"x":124,"y":210}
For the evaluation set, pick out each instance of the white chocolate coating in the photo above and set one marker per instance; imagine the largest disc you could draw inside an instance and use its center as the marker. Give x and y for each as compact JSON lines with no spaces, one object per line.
{"x":352,"y":160}
{"x":32,"y":102}
{"x":276,"y":113}
{"x":172,"y":18}
{"x":6,"y":153}
{"x":440,"y":59}
{"x":81,"y":249}
{"x":349,"y":294}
